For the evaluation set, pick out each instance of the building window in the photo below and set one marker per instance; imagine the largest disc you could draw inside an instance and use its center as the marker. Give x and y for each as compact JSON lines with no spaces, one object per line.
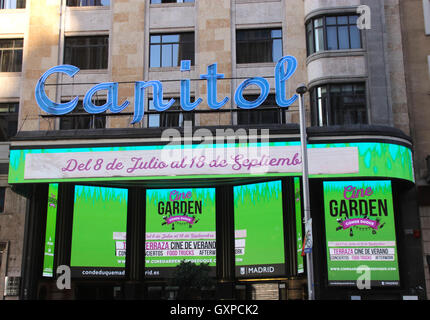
{"x":258,"y":45}
{"x":173,"y":117}
{"x":87,"y":3}
{"x":2,"y":199}
{"x":167,"y":50}
{"x":8,"y":120}
{"x":80,"y":119}
{"x":339,"y":104}
{"x":267,"y":113}
{"x":11,"y":55}
{"x":333,"y":33}
{"x":87,"y":52}
{"x":170,"y":1}
{"x":12,"y":4}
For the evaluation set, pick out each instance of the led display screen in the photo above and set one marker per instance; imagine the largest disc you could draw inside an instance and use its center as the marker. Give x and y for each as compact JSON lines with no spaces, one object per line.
{"x":180,"y":226}
{"x":99,"y":232}
{"x":360,"y":233}
{"x":299,"y":230}
{"x":259,"y":231}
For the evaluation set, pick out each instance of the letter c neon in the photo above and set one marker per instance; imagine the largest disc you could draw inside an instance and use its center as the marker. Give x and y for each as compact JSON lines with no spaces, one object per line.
{"x":44,"y":102}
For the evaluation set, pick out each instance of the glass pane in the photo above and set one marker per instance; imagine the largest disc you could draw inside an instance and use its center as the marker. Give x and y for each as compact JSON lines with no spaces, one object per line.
{"x":99,"y":122}
{"x":242,"y":53}
{"x":17,"y":61}
{"x":322,"y":118}
{"x":171,"y":120}
{"x":83,"y":122}
{"x":323,"y":90}
{"x":319,"y":39}
{"x":6,"y":43}
{"x":347,"y":88}
{"x":2,"y":199}
{"x":257,"y":45}
{"x":12,"y":128}
{"x":85,"y":3}
{"x":318,"y":22}
{"x":342,"y":20}
{"x":187,"y":37}
{"x":66,"y":123}
{"x":353,"y":20}
{"x":170,"y":38}
{"x":242,"y":117}
{"x":20,"y":3}
{"x":6,"y":61}
{"x":155,"y":39}
{"x":310,"y":39}
{"x":332,"y":38}
{"x":330,"y":20}
{"x":155,"y":56}
{"x":241,"y":35}
{"x":87,"y":52}
{"x":359,"y":88}
{"x":277,"y":33}
{"x":355,"y":37}
{"x":166,"y":55}
{"x":3,"y":129}
{"x":13,"y":107}
{"x":343,"y":38}
{"x":187,"y":116}
{"x":335,"y":89}
{"x":18,"y":43}
{"x":186,"y":52}
{"x":175,"y":55}
{"x":277,"y":50}
{"x":154,"y":121}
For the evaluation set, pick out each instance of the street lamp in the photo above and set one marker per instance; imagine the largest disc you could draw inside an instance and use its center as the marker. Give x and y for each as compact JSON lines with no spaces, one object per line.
{"x":301,"y":90}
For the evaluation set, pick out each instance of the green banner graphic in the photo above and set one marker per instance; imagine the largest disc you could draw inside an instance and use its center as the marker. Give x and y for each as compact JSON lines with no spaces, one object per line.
{"x":258,"y":219}
{"x":360,"y":233}
{"x":99,"y":232}
{"x":51,"y":220}
{"x":375,"y":160}
{"x":299,"y":219}
{"x":180,"y":225}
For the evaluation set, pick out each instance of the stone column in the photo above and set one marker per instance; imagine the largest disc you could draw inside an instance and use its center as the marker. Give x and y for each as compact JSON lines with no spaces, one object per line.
{"x":294,"y":44}
{"x":127,"y":52}
{"x":213,"y":45}
{"x":41,"y":52}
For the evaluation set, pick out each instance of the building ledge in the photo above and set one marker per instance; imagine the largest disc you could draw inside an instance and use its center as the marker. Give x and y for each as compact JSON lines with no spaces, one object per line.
{"x":292,"y":130}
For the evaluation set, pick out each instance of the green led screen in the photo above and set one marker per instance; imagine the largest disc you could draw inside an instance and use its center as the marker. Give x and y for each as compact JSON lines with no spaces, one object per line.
{"x":180,"y":225}
{"x":99,"y":232}
{"x":360,"y":233}
{"x":259,"y":234}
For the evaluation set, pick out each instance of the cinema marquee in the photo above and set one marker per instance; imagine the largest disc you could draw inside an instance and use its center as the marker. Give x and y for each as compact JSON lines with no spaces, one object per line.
{"x":123,"y":207}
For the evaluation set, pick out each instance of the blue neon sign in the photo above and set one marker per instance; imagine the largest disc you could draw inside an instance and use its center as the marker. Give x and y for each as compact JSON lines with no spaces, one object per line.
{"x":284,"y":70}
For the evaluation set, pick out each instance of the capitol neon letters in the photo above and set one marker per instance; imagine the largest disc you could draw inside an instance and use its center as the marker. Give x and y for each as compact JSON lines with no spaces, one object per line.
{"x":284,"y":69}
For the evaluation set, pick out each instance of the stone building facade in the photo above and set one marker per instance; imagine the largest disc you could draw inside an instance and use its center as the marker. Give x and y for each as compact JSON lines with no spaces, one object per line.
{"x":415,"y":18}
